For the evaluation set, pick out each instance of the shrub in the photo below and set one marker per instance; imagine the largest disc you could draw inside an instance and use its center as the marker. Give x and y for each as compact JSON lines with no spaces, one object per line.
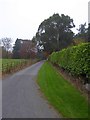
{"x":75,"y":59}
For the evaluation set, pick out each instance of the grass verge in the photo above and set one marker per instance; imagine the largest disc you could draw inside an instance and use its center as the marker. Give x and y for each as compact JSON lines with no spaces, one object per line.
{"x":61,"y":94}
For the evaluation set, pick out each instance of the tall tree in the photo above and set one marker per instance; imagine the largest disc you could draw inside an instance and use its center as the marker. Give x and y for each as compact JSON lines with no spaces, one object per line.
{"x":82,"y":32}
{"x":89,"y":32}
{"x":16,"y":48}
{"x":55,"y":33}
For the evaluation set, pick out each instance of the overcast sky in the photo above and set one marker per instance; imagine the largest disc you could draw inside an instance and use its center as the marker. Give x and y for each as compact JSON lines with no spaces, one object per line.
{"x":21,"y":18}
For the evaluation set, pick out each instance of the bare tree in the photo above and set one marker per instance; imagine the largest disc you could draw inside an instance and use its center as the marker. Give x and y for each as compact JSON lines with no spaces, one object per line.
{"x":6,"y":43}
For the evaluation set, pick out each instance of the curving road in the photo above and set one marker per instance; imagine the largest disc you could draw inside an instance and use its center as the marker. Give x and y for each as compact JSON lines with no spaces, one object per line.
{"x":21,"y":97}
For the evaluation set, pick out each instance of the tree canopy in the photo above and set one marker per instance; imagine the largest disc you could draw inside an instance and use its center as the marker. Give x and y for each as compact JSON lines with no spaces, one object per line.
{"x":55,"y":33}
{"x":82,"y":32}
{"x":89,"y":32}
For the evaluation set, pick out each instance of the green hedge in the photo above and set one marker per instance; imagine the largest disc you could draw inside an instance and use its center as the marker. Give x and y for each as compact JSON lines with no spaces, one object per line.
{"x":75,"y":59}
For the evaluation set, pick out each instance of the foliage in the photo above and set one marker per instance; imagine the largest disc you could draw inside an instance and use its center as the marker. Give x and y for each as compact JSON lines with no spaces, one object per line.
{"x":61,"y":94}
{"x":78,"y":40}
{"x":82,"y":33}
{"x":16,"y":48}
{"x":75,"y":59}
{"x":55,"y":33}
{"x":89,"y":32}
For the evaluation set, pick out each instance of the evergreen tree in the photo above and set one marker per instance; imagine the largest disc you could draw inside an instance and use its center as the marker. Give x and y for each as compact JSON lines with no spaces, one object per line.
{"x":55,"y":33}
{"x":16,"y":49}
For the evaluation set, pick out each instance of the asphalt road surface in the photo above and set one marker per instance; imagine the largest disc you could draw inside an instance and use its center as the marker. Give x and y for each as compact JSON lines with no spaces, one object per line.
{"x":21,"y":97}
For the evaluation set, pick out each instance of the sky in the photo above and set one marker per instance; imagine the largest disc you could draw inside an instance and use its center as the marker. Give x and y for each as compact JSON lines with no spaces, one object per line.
{"x":89,"y":12}
{"x":21,"y":18}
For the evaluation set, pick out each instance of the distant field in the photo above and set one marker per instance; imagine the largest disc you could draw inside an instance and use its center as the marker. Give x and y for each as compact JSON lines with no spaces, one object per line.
{"x":0,"y":68}
{"x":8,"y":65}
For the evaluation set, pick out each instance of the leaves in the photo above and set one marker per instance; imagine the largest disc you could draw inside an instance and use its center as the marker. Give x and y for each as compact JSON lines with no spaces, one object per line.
{"x":75,"y":59}
{"x":55,"y":32}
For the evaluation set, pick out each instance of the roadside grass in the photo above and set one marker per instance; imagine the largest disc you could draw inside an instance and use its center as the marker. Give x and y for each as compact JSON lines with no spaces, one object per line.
{"x":67,"y":100}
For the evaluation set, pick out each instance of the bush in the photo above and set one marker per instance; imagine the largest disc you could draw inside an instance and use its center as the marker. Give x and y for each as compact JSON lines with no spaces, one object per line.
{"x":75,"y":59}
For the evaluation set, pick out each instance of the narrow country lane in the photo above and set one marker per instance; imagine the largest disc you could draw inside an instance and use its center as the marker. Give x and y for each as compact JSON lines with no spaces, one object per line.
{"x":21,"y":97}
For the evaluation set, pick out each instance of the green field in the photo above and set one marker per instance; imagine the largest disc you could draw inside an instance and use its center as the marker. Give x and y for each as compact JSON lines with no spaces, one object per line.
{"x":11,"y":64}
{"x":68,"y":101}
{"x":0,"y":64}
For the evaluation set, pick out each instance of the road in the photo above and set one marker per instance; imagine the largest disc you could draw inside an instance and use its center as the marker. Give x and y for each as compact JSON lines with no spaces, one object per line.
{"x":21,"y":97}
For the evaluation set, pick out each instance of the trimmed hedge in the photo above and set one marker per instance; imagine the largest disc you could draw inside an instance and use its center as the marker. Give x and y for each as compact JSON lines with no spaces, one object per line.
{"x":75,"y":59}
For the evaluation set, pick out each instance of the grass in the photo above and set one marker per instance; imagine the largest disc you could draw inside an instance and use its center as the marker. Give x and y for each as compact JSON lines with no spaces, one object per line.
{"x":61,"y":94}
